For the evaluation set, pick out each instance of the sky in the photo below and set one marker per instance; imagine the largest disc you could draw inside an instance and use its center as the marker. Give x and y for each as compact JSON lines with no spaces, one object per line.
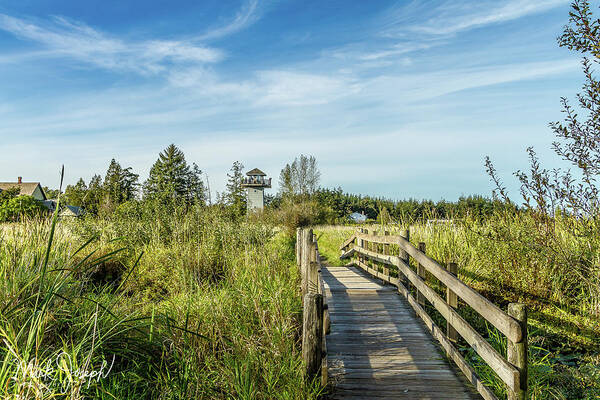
{"x":401,"y":99}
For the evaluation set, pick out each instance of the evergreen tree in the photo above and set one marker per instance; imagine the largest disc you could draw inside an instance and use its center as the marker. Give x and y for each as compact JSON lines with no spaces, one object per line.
{"x":51,"y":193}
{"x":172,"y":178}
{"x":197,"y":191}
{"x":94,"y":195}
{"x":120,"y":185}
{"x":75,"y":194}
{"x":286,"y":186}
{"x":235,"y":195}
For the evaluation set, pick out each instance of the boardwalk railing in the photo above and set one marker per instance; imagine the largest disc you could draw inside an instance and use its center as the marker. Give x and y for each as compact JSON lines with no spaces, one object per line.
{"x":372,"y":253}
{"x":316,"y":315}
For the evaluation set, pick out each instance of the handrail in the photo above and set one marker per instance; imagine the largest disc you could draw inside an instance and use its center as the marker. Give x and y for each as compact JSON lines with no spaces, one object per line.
{"x":511,"y":370}
{"x":316,"y":323}
{"x":349,"y":240}
{"x":504,"y":322}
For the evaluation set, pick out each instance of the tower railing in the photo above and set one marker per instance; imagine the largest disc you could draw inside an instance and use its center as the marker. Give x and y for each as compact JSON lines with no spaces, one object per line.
{"x":256,"y":181}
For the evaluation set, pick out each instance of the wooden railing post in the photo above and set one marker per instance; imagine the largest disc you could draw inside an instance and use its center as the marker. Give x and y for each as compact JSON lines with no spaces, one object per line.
{"x":517,"y":351}
{"x":312,"y":272}
{"x":406,"y":258}
{"x":373,"y":247}
{"x":421,"y":273}
{"x":452,"y":300}
{"x":386,"y":251}
{"x":307,"y":258}
{"x":312,"y":335}
{"x":362,"y":245}
{"x":299,"y":246}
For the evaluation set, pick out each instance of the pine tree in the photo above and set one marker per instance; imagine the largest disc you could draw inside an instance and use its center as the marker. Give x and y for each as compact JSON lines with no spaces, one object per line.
{"x":172,"y":178}
{"x":235,"y":196}
{"x":286,"y":186}
{"x":120,"y":184}
{"x":94,"y":195}
{"x":197,"y":191}
{"x":75,"y":194}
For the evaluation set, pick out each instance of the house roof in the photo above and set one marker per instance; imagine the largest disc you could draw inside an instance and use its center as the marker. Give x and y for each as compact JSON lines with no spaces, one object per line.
{"x":255,"y":172}
{"x":27,"y":188}
{"x":358,"y":217}
{"x":72,"y":211}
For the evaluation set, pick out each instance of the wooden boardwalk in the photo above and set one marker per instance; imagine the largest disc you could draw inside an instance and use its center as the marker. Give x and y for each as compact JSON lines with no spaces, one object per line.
{"x":378,"y":348}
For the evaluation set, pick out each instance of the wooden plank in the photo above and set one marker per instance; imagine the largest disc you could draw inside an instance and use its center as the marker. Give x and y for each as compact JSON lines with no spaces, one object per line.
{"x":506,"y":371}
{"x":451,"y":351}
{"x":348,"y":241}
{"x":488,"y":310}
{"x":377,"y":348}
{"x":347,"y":254}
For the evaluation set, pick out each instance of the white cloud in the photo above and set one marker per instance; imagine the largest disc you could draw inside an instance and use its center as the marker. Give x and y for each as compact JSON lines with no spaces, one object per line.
{"x":247,"y":16}
{"x":286,"y":88}
{"x":418,"y":87}
{"x":456,"y":16}
{"x":62,"y":37}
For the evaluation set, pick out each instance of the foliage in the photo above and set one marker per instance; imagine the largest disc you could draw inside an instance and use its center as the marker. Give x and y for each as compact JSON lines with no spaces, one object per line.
{"x":172,"y":178}
{"x":8,"y":194}
{"x":51,"y":193}
{"x":301,"y":178}
{"x":94,"y":195}
{"x":120,"y":185}
{"x":563,"y":330}
{"x":411,"y":210}
{"x":235,"y":196}
{"x":14,"y":207}
{"x":291,"y":214}
{"x":562,"y":206}
{"x":198,"y":307}
{"x":75,"y":194}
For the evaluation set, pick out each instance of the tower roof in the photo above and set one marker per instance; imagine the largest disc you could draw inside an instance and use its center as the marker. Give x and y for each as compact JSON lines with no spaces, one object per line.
{"x":255,"y":172}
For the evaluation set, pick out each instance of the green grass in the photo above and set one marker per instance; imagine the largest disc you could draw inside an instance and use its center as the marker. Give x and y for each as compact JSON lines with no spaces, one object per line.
{"x":563,"y":326}
{"x":168,"y":305}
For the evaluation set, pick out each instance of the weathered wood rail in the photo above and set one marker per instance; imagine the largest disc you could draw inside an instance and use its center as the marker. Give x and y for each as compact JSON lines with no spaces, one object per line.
{"x":372,"y":253}
{"x":315,"y":314}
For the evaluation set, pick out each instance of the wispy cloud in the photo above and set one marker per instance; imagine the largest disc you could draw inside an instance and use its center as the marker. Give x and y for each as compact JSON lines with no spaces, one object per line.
{"x":418,"y":87}
{"x":416,"y":26}
{"x":61,"y":37}
{"x":246,"y":16}
{"x":456,"y":16}
{"x":285,"y":88}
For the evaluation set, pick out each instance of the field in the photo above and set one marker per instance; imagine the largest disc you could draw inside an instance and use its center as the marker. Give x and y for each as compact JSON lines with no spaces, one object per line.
{"x":149,"y":304}
{"x":156,"y":303}
{"x":563,"y":324}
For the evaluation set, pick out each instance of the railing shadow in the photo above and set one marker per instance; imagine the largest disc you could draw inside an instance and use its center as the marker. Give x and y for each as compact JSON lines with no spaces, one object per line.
{"x":408,"y":340}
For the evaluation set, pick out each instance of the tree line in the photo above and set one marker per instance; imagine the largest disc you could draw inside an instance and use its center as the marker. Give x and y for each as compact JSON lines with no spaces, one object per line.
{"x":171,"y":180}
{"x":300,"y":199}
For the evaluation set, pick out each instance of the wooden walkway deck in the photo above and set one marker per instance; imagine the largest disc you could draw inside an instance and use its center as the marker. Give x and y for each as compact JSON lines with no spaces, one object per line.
{"x":378,"y":348}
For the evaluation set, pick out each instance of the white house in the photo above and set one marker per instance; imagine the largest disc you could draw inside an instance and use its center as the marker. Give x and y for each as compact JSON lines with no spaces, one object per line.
{"x":358,"y":217}
{"x":25,"y":188}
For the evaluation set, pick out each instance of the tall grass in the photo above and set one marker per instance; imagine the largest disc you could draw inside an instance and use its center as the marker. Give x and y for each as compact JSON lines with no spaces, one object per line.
{"x":507,"y":259}
{"x":154,"y":303}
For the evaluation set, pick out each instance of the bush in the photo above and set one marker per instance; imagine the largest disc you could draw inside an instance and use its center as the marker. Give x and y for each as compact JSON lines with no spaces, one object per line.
{"x":293,"y":214}
{"x":21,"y":207}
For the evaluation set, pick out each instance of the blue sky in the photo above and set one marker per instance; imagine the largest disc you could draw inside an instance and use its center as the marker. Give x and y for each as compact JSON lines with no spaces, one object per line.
{"x":394,"y":98}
